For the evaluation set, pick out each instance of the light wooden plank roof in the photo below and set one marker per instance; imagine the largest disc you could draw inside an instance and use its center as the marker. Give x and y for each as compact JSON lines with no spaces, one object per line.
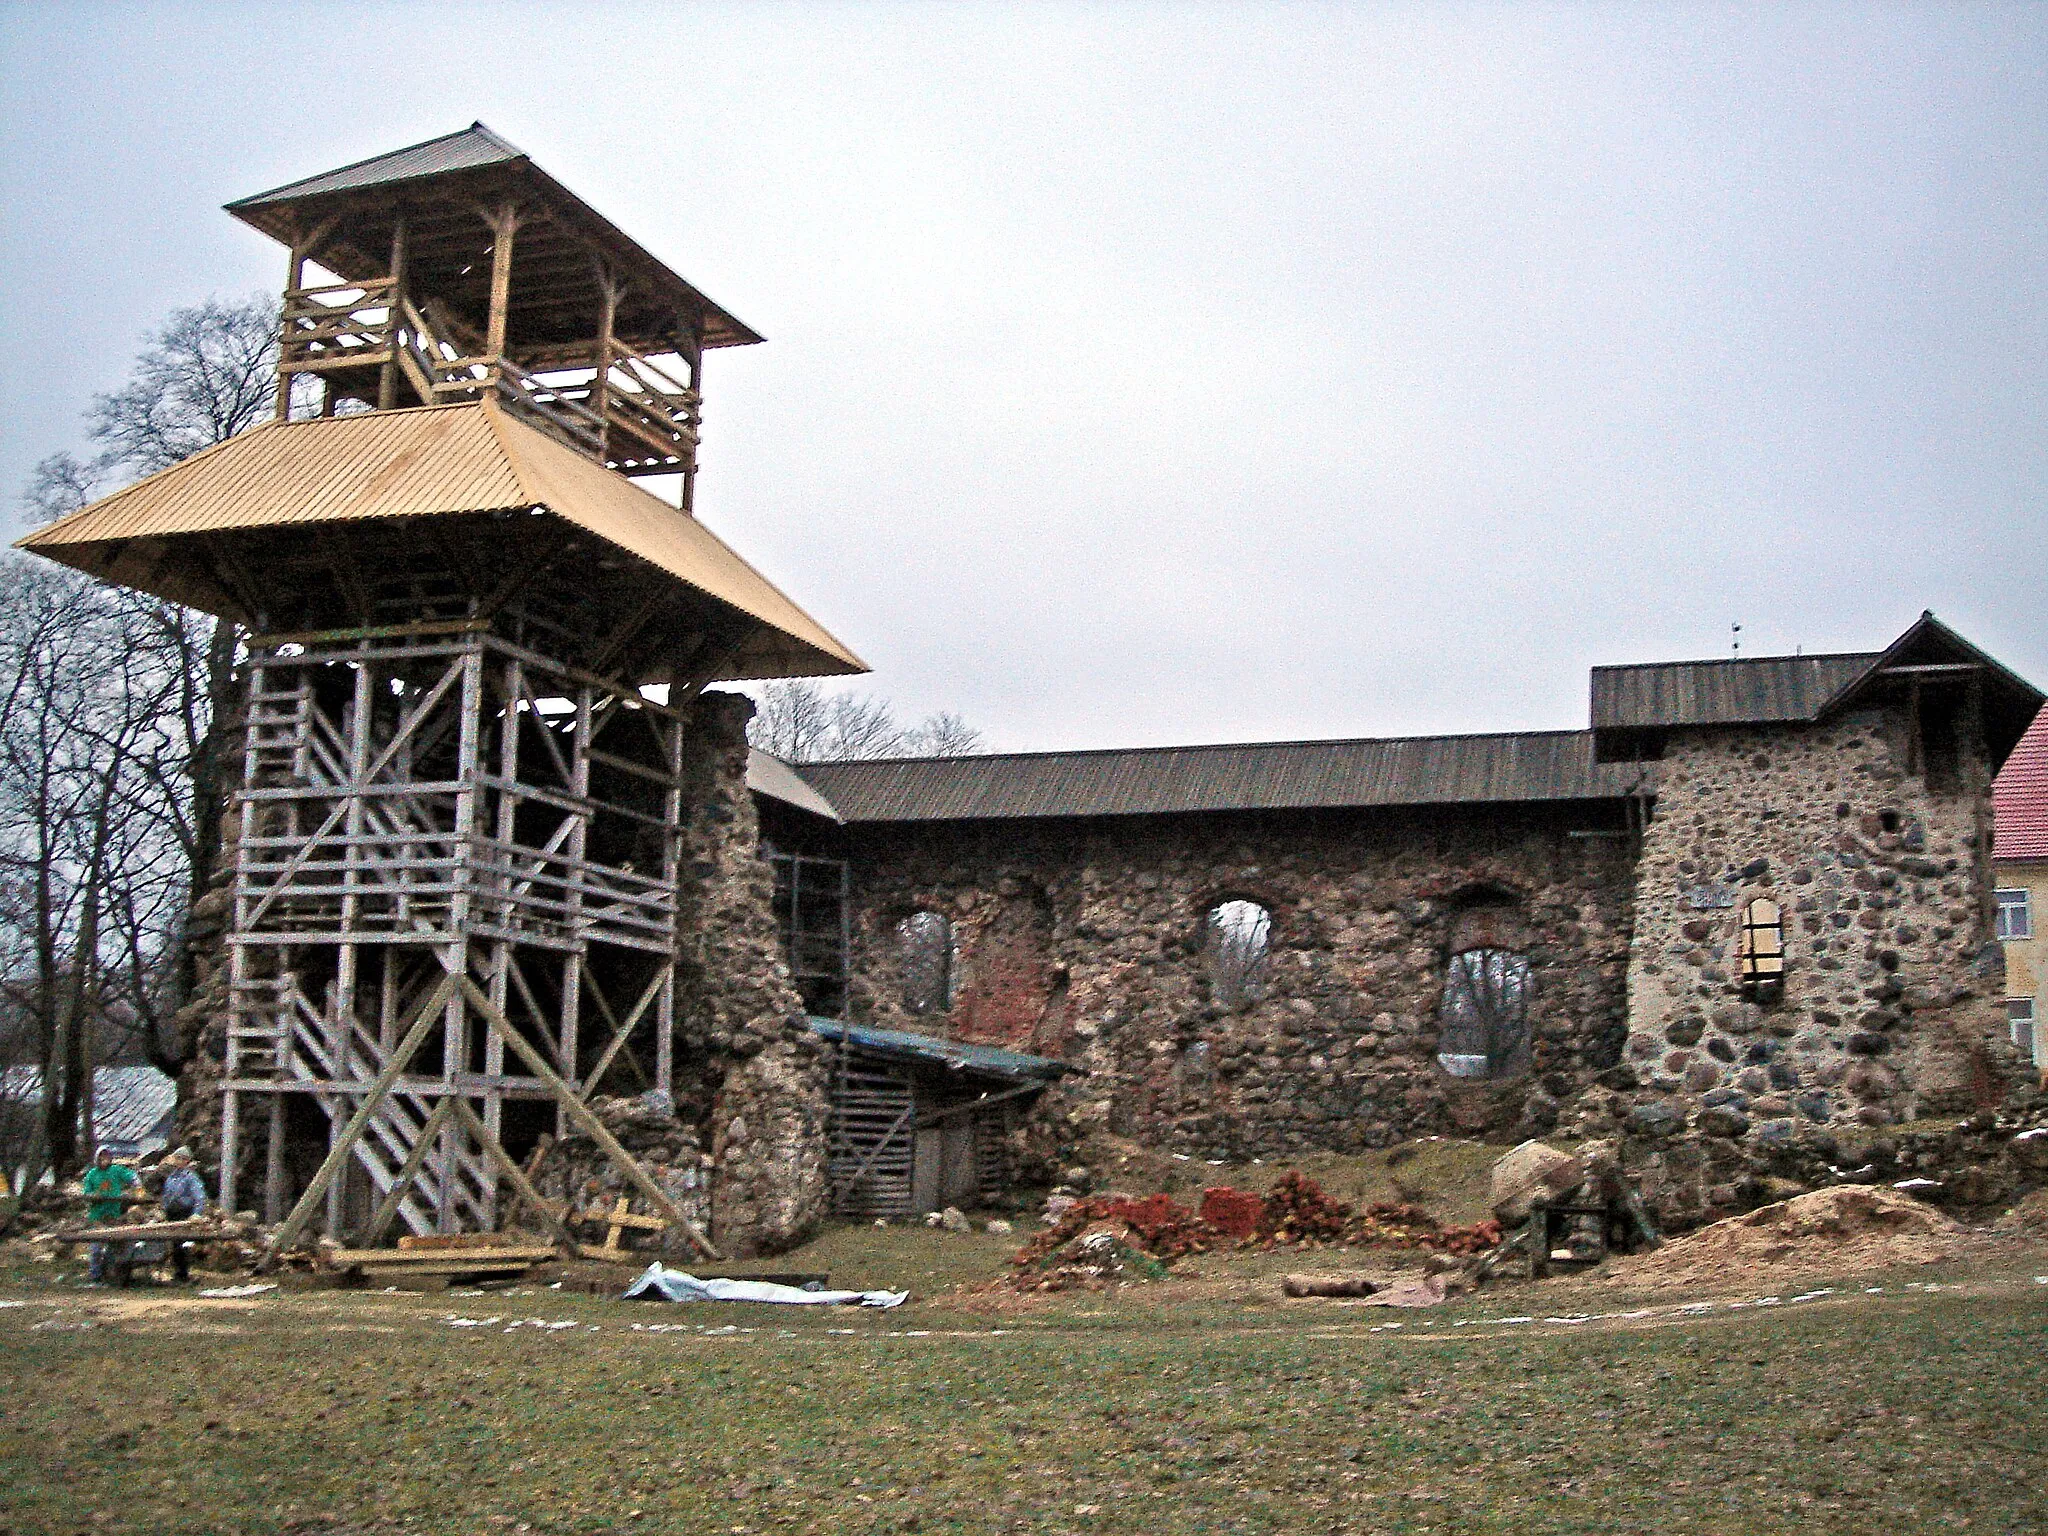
{"x":434,"y":461}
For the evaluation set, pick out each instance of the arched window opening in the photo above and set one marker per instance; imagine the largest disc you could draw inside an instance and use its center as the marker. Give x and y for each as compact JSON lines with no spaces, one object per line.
{"x":925,"y":944}
{"x":1485,"y":1015}
{"x":1238,"y":948}
{"x":1760,"y":949}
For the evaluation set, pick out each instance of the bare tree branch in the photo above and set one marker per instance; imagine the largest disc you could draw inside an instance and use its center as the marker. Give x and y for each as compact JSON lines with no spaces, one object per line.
{"x":799,"y":722}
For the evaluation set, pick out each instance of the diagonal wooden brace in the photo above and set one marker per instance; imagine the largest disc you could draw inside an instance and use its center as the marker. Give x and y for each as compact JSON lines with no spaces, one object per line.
{"x":409,"y":1170}
{"x":580,"y":1114}
{"x":423,"y":1024}
{"x":619,"y":1030}
{"x":495,"y":1150}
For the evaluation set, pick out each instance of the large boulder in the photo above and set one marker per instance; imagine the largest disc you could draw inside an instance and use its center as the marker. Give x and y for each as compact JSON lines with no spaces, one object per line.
{"x":1531,"y":1172}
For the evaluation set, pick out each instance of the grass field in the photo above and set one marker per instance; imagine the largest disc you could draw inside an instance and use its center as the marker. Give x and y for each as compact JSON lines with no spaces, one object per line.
{"x":1178,"y":1407}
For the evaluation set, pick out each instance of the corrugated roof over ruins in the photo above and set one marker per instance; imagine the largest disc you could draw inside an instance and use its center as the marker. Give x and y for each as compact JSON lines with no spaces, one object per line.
{"x":1268,"y":776}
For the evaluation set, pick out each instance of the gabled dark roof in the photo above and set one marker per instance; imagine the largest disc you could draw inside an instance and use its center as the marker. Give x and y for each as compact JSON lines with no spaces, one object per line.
{"x":1931,"y":655}
{"x":1777,"y":690}
{"x":1751,"y":690}
{"x":955,"y":1055}
{"x":440,"y":187}
{"x":1257,"y":776}
{"x":464,"y":150}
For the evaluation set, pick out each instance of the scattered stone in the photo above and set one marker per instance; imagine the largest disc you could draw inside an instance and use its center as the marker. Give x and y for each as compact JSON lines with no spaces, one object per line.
{"x":1656,"y":1118}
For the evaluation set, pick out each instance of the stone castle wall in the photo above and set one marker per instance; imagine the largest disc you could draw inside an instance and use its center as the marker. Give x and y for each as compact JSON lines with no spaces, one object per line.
{"x":1890,"y":1007}
{"x":748,"y":1069}
{"x":1086,"y":941}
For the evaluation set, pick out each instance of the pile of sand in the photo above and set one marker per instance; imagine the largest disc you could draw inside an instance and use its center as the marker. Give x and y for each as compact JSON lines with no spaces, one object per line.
{"x":2029,"y":1218}
{"x":1831,"y":1231}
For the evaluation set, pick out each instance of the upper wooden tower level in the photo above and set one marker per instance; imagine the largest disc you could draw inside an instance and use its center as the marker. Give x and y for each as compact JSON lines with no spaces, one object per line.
{"x":465,"y":271}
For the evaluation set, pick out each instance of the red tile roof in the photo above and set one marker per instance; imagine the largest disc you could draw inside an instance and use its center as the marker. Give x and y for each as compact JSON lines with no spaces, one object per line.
{"x":2020,"y":799}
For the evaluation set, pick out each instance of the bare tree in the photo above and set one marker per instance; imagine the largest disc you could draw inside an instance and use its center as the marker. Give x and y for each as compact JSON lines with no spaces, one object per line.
{"x":113,"y":757}
{"x":799,"y":722}
{"x":92,"y":872}
{"x":943,"y":734}
{"x":208,"y":374}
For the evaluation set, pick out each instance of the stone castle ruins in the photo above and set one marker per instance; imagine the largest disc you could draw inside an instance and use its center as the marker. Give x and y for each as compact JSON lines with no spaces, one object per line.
{"x":510,"y":908}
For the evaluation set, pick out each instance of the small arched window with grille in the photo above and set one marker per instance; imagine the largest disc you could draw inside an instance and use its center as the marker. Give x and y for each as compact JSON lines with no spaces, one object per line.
{"x":1760,"y":949}
{"x":1483,"y":1024}
{"x":925,"y":956}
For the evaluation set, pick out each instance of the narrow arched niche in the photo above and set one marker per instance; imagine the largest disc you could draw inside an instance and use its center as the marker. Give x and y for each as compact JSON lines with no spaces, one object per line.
{"x":1483,"y":1016}
{"x":926,"y":961}
{"x":1237,"y":951}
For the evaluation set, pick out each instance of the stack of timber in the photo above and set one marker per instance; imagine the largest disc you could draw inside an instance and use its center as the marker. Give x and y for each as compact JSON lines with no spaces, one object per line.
{"x":197,"y":1229}
{"x":459,"y":1256}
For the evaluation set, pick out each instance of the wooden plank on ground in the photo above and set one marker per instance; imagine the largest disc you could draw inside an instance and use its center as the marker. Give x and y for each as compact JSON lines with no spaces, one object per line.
{"x":413,"y":1258}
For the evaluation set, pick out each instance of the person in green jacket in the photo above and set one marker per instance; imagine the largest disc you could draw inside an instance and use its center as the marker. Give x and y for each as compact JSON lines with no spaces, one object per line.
{"x":107,"y":1185}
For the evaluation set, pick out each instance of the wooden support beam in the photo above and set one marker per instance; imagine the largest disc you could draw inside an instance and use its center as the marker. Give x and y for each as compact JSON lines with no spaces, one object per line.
{"x":387,"y":382}
{"x":619,"y":1030}
{"x":423,"y":1022}
{"x":409,"y":1170}
{"x":504,"y":222}
{"x":533,"y":1162}
{"x":580,"y":1115}
{"x":495,"y":1151}
{"x":600,"y":384}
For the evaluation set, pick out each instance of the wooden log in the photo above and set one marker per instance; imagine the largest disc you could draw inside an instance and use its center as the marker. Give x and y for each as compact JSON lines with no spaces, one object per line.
{"x":462,"y":1259}
{"x":196,"y":1230}
{"x":1328,"y":1285}
{"x":434,"y":1242}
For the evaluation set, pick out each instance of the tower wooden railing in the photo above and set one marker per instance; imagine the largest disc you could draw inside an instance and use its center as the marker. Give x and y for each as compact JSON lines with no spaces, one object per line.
{"x":623,"y":408}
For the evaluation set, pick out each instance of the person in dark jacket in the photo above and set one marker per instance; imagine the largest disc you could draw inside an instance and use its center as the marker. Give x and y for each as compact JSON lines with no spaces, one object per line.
{"x":183,"y":1196}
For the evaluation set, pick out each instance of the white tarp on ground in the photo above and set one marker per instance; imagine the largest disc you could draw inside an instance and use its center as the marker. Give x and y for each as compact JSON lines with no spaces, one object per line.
{"x":675,"y":1285}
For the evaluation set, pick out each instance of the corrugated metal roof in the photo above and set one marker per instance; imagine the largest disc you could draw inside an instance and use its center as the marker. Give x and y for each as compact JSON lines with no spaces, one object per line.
{"x":129,"y":1104}
{"x":435,"y":460}
{"x":466,"y":149}
{"x":2019,"y":798}
{"x":1302,"y":775}
{"x":1751,"y":690}
{"x":957,"y":1055}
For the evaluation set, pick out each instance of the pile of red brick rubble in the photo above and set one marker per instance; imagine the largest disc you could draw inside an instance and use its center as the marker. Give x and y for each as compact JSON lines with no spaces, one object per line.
{"x":1117,"y":1237}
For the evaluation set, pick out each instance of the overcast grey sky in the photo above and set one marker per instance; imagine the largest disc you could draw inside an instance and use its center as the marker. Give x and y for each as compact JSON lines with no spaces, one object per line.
{"x":1142,"y":374}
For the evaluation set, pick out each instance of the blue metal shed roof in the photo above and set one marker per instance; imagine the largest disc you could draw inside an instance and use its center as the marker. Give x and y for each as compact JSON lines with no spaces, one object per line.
{"x":955,"y":1054}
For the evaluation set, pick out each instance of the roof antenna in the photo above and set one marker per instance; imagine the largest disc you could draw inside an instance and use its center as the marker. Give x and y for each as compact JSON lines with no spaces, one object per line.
{"x":1735,"y":640}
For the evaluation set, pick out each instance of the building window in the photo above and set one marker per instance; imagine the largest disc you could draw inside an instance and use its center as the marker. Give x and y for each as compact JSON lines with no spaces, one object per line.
{"x":1485,"y":1014}
{"x":2019,"y":1011}
{"x":2015,"y":914}
{"x":1760,"y":949}
{"x":1237,"y":944}
{"x":925,"y":945}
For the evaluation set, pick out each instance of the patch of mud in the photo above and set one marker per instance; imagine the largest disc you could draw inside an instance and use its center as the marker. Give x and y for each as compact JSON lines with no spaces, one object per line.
{"x":1843,"y":1230}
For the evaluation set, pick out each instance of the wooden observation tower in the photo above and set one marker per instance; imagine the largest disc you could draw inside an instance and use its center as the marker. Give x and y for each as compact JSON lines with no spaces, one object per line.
{"x":457,"y":843}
